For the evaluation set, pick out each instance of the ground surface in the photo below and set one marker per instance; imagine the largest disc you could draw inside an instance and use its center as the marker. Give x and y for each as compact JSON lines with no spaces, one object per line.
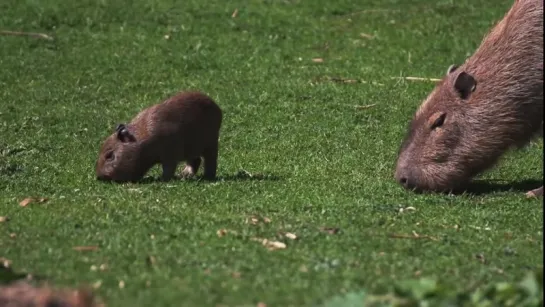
{"x":315,"y":158}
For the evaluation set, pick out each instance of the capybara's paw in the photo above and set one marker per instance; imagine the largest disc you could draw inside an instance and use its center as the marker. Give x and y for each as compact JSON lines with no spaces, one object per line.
{"x":187,"y":172}
{"x":535,"y":192}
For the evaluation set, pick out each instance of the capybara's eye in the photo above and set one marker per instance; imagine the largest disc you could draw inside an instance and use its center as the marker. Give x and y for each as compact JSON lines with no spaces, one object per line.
{"x":439,"y":121}
{"x":109,"y":155}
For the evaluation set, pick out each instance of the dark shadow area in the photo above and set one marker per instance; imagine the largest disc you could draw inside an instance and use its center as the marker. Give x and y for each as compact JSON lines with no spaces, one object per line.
{"x":8,"y":275}
{"x":238,"y":176}
{"x":482,"y":187}
{"x":10,"y":170}
{"x":245,"y":176}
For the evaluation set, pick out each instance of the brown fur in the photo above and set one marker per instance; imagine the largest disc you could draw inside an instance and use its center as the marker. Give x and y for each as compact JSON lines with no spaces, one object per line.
{"x":22,"y":294}
{"x":479,"y":110}
{"x":184,"y":127}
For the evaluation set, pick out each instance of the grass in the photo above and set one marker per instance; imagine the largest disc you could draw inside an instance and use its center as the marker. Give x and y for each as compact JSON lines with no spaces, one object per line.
{"x":316,"y":159}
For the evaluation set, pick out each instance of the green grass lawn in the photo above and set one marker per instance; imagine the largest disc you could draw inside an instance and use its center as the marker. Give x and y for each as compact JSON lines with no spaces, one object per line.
{"x":294,"y":148}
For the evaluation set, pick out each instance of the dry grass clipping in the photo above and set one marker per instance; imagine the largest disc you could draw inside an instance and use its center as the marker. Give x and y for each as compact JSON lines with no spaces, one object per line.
{"x":417,"y":79}
{"x":413,"y":236}
{"x":31,"y":34}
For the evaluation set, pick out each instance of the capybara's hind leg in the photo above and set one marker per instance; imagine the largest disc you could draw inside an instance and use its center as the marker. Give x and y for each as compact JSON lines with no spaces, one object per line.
{"x":191,"y":167}
{"x":535,"y":192}
{"x":210,"y":156}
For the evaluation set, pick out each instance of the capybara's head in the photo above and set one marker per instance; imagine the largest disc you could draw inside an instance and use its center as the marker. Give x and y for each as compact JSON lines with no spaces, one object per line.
{"x":441,"y":151}
{"x":119,"y":157}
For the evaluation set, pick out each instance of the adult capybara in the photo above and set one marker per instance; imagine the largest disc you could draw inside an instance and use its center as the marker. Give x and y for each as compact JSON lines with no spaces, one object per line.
{"x":480,"y":109}
{"x":184,"y":127}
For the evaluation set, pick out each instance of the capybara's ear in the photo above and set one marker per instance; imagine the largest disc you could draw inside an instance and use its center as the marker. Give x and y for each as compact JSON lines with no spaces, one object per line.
{"x":123,"y":134}
{"x":451,"y":69}
{"x":119,"y":127}
{"x":465,"y":84}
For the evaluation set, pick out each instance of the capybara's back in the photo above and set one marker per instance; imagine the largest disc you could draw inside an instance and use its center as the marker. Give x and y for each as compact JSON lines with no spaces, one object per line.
{"x":182,"y":125}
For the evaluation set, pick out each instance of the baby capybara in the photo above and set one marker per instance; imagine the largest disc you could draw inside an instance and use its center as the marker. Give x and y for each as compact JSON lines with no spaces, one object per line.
{"x":480,"y":109}
{"x":184,"y":127}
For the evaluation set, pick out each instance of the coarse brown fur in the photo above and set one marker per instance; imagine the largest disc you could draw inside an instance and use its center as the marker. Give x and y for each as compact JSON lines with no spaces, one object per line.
{"x":184,"y":127}
{"x":22,"y":294}
{"x":493,"y":102}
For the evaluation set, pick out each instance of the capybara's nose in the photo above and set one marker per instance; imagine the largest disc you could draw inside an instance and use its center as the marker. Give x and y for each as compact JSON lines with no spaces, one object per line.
{"x":103,"y":177}
{"x":404,"y":181}
{"x":404,"y":178}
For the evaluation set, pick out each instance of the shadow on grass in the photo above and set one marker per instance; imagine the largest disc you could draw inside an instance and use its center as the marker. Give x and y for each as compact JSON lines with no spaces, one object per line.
{"x":241,"y":175}
{"x":8,"y":275}
{"x":483,"y":187}
{"x":245,"y":176}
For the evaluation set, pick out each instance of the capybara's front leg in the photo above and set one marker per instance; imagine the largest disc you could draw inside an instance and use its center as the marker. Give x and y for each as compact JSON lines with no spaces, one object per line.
{"x":169,"y":169}
{"x":535,"y":192}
